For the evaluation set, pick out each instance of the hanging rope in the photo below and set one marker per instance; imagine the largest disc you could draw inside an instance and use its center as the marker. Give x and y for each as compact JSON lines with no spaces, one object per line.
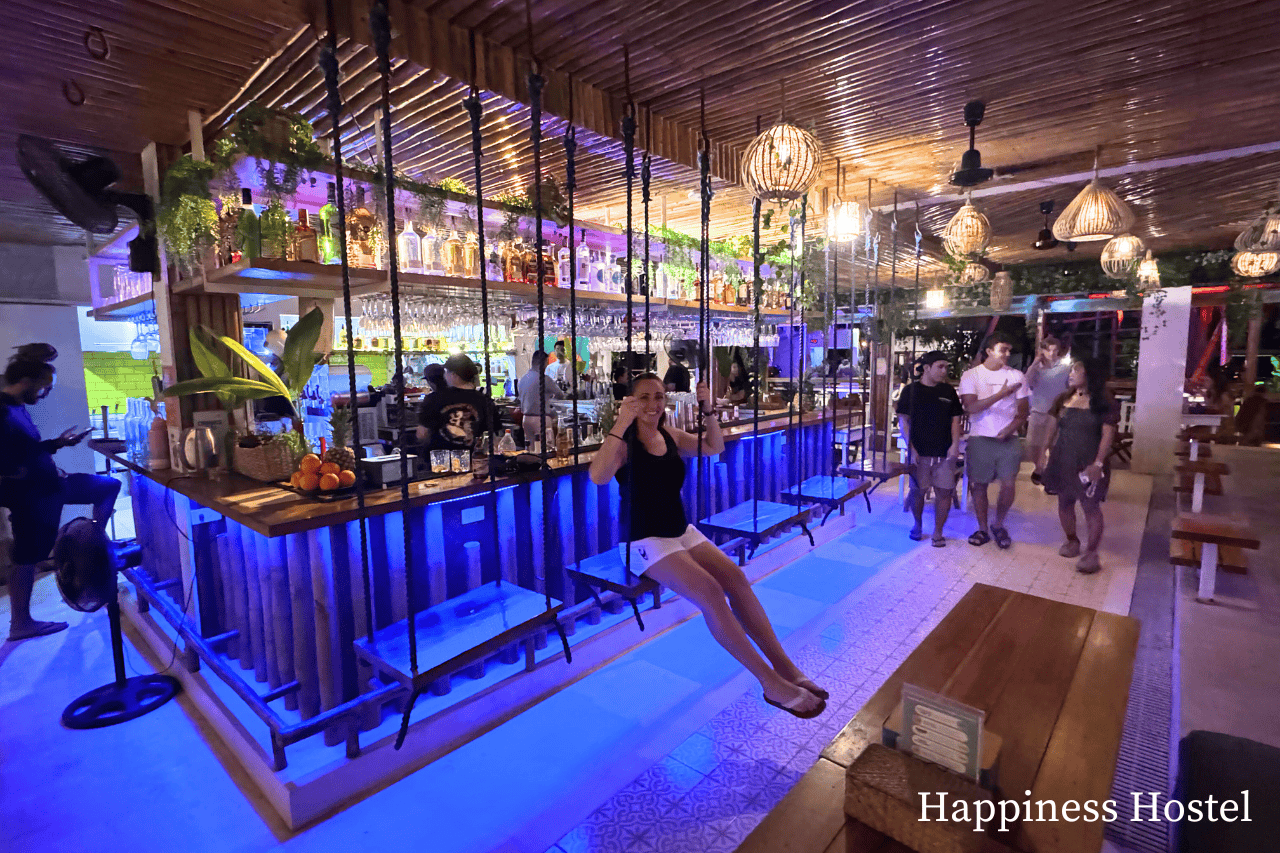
{"x":704,"y":314}
{"x":570,"y":184}
{"x":629,"y":147}
{"x":645,"y":174}
{"x":795,"y":301}
{"x":381,"y":29}
{"x":791,"y":356}
{"x":757,"y":284}
{"x":329,"y":64}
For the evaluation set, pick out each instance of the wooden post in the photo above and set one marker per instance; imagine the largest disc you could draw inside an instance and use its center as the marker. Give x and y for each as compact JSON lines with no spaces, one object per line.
{"x":1251,"y":354}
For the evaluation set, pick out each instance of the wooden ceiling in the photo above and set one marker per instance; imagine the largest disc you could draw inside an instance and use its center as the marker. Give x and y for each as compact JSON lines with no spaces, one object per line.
{"x":882,"y":84}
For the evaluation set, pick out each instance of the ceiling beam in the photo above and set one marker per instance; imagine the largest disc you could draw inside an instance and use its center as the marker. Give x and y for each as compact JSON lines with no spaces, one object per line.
{"x":432,"y":42}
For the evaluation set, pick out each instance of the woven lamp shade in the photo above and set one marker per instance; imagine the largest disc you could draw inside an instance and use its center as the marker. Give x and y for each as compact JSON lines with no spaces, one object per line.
{"x":1255,"y":264}
{"x":968,"y":232}
{"x":1262,"y":235}
{"x":781,"y":164}
{"x":974,"y":273}
{"x":1096,"y":213}
{"x":1120,"y":254}
{"x":1149,"y":272}
{"x":844,"y":221}
{"x":1001,"y":295}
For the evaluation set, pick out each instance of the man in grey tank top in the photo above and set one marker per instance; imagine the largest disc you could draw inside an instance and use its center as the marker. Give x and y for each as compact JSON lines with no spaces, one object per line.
{"x":1047,"y":378}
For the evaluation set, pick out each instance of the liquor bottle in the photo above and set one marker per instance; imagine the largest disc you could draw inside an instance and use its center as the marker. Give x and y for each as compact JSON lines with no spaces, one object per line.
{"x":453,"y":255}
{"x":564,"y":267}
{"x":513,"y":261}
{"x":597,"y":278}
{"x":409,"y":247}
{"x":362,"y":227}
{"x":494,"y":269}
{"x":471,"y":256}
{"x":617,"y":279}
{"x":303,"y":243}
{"x":530,"y":265}
{"x":330,"y":251}
{"x":584,"y":261}
{"x":550,"y":271}
{"x":248,"y":228}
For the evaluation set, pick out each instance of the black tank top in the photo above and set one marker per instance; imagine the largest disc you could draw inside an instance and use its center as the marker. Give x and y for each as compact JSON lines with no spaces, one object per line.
{"x":653,"y":506}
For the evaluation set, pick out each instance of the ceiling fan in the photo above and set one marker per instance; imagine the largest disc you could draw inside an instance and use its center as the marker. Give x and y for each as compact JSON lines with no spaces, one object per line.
{"x":1045,"y":239}
{"x":971,"y":173}
{"x":81,"y":192}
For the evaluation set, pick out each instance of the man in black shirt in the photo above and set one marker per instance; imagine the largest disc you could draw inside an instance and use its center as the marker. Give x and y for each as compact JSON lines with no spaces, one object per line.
{"x":929,"y":415}
{"x":677,"y":377}
{"x":455,"y":417}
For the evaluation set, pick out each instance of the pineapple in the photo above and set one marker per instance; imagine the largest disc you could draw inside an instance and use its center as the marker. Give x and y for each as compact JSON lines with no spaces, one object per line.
{"x":339,"y":452}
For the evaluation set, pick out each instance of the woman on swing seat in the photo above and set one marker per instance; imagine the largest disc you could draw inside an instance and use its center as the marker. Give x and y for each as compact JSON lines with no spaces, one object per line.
{"x":669,"y":550}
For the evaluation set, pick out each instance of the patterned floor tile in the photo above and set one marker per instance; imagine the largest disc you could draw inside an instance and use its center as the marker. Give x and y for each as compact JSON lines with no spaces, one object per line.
{"x":669,"y":776}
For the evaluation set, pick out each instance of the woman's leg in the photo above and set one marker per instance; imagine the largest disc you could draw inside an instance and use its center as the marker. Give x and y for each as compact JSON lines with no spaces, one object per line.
{"x":1093,"y":523}
{"x":747,"y":608}
{"x":681,"y":573}
{"x":1067,"y":516}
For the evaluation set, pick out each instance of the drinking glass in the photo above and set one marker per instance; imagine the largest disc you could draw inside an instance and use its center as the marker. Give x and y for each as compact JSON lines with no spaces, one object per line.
{"x":440,"y":461}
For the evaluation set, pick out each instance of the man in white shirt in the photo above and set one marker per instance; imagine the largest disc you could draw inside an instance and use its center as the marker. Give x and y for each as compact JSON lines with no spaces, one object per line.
{"x":558,"y":370}
{"x":529,"y":389}
{"x":996,"y":397}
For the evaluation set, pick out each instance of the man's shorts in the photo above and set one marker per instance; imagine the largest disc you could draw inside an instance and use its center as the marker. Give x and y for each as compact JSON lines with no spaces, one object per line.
{"x":36,"y":521}
{"x":990,"y":459}
{"x":645,"y":553}
{"x":1038,"y":426}
{"x":934,"y":472}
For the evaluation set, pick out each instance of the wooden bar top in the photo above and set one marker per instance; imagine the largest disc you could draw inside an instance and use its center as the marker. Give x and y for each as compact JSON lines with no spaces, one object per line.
{"x":272,"y":511}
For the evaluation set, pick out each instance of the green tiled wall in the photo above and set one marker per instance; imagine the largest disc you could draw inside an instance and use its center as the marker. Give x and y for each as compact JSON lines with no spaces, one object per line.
{"x":112,"y":377}
{"x":376,"y":362}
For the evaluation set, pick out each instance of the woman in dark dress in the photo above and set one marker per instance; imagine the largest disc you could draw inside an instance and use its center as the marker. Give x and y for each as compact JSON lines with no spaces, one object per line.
{"x":1084,"y":426}
{"x":667,"y":548}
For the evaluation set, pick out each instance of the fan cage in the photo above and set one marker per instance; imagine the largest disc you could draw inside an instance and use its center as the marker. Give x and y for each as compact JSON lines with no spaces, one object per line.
{"x":781,"y":164}
{"x":968,"y":232}
{"x":1097,"y":213}
{"x":1121,"y":255}
{"x":1255,"y":264}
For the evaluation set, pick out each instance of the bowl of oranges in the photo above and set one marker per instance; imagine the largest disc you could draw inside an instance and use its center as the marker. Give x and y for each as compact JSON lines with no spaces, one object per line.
{"x":318,"y":476}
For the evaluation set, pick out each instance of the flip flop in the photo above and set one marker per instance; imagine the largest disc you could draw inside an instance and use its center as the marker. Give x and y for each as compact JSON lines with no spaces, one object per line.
{"x":1003,"y":540}
{"x":939,"y":541}
{"x":790,"y":707}
{"x":41,"y":629}
{"x":979,"y":537}
{"x":812,"y":688}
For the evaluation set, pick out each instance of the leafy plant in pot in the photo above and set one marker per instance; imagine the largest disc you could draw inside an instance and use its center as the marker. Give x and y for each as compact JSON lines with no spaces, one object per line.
{"x":187,"y":218}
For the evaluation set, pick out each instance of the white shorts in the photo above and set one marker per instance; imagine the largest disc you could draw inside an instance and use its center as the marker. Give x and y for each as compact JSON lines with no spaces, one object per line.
{"x":648,"y":551}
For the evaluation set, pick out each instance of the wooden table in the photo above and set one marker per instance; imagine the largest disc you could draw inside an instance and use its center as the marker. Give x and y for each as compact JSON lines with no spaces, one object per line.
{"x":1053,"y":679}
{"x":1212,"y":532}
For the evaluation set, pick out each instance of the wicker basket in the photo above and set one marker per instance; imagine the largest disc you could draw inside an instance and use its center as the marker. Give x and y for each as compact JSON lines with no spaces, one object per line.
{"x":270,"y":462}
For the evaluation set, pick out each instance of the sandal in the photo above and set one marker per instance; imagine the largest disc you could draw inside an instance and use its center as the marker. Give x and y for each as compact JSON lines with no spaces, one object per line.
{"x":979,"y":537}
{"x":812,"y":688}
{"x":939,"y":541}
{"x":1089,"y":563}
{"x":1070,"y":548}
{"x":39,"y":629}
{"x":916,"y":534}
{"x":1003,"y":540}
{"x":790,"y":707}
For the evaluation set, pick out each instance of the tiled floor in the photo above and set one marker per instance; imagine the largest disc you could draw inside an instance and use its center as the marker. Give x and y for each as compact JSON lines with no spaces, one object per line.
{"x":666,"y":748}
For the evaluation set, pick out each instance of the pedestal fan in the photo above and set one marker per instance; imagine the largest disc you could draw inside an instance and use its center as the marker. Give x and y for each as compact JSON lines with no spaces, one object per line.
{"x":86,"y":562}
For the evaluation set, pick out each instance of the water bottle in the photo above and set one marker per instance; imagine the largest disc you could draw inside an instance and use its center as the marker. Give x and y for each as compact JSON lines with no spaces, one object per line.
{"x":507,"y":445}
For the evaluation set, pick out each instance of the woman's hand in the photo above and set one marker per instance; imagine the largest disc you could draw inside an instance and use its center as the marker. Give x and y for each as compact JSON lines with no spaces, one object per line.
{"x":628,"y":411}
{"x":1094,"y":472}
{"x":704,"y":398}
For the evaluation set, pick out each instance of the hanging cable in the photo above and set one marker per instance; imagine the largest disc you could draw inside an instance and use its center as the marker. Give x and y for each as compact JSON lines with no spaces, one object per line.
{"x":329,"y":64}
{"x":381,"y":29}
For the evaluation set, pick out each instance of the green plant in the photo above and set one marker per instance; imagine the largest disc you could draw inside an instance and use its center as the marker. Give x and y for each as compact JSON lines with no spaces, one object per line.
{"x":283,"y":143}
{"x":187,"y":218}
{"x":455,"y":186}
{"x":274,"y":227}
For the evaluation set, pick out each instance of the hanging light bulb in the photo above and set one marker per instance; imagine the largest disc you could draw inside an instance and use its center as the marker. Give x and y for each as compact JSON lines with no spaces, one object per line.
{"x":844,"y":221}
{"x":935,"y":299}
{"x":1096,"y":213}
{"x":968,"y":232}
{"x":781,"y":164}
{"x":1120,"y":254}
{"x":1149,"y":272}
{"x":1255,"y":264}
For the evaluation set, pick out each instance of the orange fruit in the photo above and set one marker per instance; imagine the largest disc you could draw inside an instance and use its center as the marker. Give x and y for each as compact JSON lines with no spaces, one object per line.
{"x":293,"y":481}
{"x":347,"y":478}
{"x":328,"y":482}
{"x":308,"y":482}
{"x":309,"y":464}
{"x":330,"y":468}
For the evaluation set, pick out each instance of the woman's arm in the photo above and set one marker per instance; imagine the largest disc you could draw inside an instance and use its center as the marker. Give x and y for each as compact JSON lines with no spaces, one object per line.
{"x":712,"y":439}
{"x":612,"y":454}
{"x":1094,"y":469}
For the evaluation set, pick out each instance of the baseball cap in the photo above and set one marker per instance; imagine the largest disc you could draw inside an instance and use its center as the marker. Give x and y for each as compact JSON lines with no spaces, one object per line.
{"x":462,"y":367}
{"x":931,"y":356}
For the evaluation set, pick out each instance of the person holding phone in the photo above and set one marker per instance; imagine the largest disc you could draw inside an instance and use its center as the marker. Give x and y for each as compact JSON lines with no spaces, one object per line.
{"x":32,"y":487}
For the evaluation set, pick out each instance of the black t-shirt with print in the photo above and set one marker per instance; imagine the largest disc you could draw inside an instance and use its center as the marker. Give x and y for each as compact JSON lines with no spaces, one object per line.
{"x":930,"y":410}
{"x":457,"y":417}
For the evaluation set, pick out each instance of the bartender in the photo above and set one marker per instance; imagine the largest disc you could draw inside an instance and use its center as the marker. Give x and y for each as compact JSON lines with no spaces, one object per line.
{"x":31,"y":485}
{"x":529,"y":389}
{"x":739,"y":382}
{"x":454,"y":418}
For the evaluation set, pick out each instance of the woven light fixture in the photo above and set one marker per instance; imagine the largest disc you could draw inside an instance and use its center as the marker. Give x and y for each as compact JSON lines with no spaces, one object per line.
{"x":781,"y":164}
{"x":1255,"y":264}
{"x":1120,"y":254}
{"x":1149,"y":272}
{"x":974,"y":273}
{"x":1001,"y":295}
{"x":1096,"y":213}
{"x":1262,"y":235}
{"x":968,"y":232}
{"x":844,"y":221}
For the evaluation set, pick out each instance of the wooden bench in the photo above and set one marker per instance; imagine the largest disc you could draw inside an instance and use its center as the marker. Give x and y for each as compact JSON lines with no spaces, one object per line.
{"x":1053,"y":679}
{"x":1200,"y":477}
{"x":1183,"y":552}
{"x":1212,"y":533}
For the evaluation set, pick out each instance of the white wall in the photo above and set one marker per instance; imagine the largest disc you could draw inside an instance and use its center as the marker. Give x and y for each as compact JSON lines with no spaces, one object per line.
{"x":1162,"y":366}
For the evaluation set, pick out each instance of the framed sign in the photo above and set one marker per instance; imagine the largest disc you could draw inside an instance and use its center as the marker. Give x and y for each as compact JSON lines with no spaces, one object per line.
{"x":941,"y":730}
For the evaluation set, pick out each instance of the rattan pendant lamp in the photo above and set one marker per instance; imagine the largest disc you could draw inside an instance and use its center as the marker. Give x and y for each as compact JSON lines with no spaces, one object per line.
{"x":1262,"y":235}
{"x":844,"y":218}
{"x":781,"y":164}
{"x":1120,"y":254}
{"x":1097,"y":213}
{"x":968,"y":233}
{"x":1149,"y":273}
{"x":1255,"y":264}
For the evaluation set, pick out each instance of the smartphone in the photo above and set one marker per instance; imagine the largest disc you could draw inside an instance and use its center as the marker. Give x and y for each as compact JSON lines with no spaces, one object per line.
{"x":81,"y":435}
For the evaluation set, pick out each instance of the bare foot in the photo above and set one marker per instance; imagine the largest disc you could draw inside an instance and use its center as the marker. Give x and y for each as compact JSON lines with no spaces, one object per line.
{"x":34,"y":629}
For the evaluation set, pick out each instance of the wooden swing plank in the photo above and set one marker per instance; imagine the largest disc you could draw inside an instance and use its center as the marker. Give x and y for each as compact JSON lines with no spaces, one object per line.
{"x":824,"y":489}
{"x":608,"y":570}
{"x":890,"y":470}
{"x":457,"y":633}
{"x":754,"y":519}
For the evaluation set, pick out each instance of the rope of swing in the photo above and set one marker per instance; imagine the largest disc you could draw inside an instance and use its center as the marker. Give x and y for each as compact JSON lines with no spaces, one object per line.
{"x":804,"y":216}
{"x":571,"y":184}
{"x":757,"y":283}
{"x":629,"y":147}
{"x":329,"y":64}
{"x":645,"y":175}
{"x":791,"y":356}
{"x":704,"y":314}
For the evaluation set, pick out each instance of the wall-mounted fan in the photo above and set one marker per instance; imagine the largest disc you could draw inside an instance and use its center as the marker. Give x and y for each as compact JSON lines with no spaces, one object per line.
{"x":81,"y":192}
{"x":86,"y":562}
{"x":971,"y":173}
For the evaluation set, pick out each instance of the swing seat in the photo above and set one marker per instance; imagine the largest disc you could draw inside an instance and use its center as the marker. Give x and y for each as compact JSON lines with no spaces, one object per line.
{"x":830,"y":492}
{"x":458,"y":633}
{"x":756,"y":521}
{"x":608,"y":571}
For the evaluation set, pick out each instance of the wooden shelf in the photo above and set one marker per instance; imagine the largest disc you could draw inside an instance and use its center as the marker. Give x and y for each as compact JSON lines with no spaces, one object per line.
{"x":324,"y":281}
